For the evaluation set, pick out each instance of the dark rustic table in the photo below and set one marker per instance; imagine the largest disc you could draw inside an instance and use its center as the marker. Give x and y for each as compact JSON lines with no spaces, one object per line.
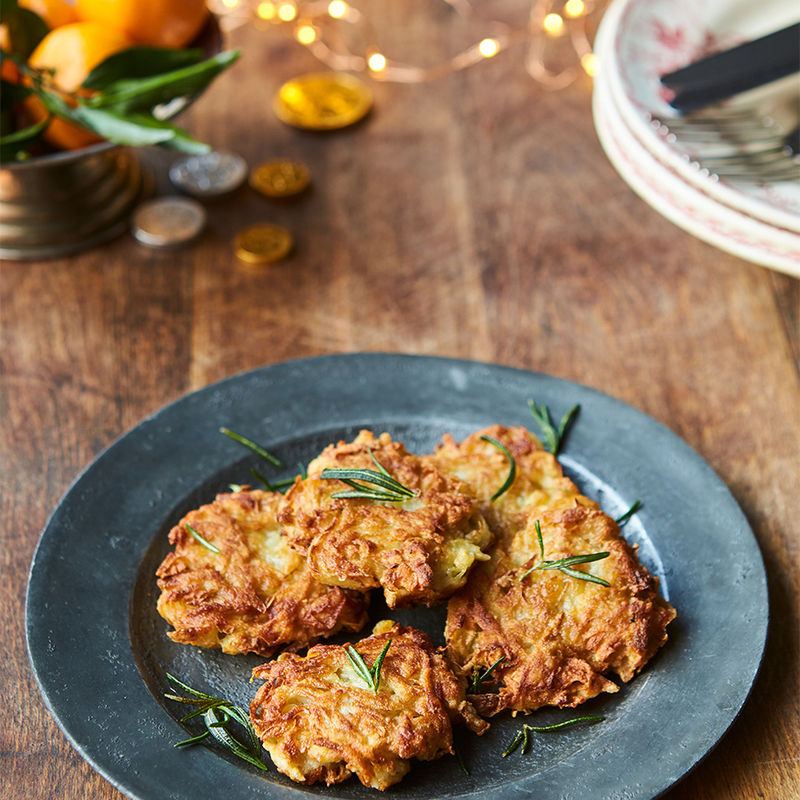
{"x":474,"y":217}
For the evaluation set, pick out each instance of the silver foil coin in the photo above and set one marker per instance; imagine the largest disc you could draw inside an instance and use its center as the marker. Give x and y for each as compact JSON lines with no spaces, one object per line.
{"x":168,"y":221}
{"x":210,"y":174}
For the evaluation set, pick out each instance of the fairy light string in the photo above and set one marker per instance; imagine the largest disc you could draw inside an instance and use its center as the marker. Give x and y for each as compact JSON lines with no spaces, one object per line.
{"x":318,"y":25}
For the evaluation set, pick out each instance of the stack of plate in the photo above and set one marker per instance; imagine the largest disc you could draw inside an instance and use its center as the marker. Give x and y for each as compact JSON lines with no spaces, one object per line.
{"x":638,"y":41}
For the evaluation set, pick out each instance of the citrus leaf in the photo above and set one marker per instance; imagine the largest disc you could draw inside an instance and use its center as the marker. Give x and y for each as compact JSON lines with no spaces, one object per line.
{"x":139,"y":62}
{"x":25,"y":28}
{"x":17,"y":142}
{"x":143,"y":94}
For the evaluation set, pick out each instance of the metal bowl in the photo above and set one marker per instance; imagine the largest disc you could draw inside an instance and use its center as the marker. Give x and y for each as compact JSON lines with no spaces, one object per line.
{"x":61,"y":203}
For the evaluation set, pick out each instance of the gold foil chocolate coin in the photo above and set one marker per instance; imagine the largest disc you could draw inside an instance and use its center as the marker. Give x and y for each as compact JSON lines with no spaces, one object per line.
{"x":263,"y":243}
{"x":322,"y":101}
{"x":280,"y":178}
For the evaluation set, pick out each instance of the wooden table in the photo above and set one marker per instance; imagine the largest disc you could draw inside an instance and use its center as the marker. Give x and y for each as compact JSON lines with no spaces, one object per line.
{"x":474,"y":217}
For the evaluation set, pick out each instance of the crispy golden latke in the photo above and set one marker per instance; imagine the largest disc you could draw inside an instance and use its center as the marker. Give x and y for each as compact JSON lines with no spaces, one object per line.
{"x":419,"y":550}
{"x":539,"y":482}
{"x":559,"y":635}
{"x":257,"y":593}
{"x":320,"y":722}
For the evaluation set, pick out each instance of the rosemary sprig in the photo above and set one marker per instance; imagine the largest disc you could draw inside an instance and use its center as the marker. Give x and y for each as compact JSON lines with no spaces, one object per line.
{"x":217,"y":715}
{"x":380,"y":485}
{"x":522,"y":736}
{"x":565,"y":565}
{"x":637,"y":504}
{"x":552,"y":437}
{"x":512,"y":466}
{"x":203,"y":541}
{"x":370,"y":675}
{"x":478,"y":678}
{"x":251,"y":445}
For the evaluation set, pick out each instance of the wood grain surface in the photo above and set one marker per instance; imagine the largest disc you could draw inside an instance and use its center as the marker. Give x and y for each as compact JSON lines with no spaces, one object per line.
{"x":474,"y":217}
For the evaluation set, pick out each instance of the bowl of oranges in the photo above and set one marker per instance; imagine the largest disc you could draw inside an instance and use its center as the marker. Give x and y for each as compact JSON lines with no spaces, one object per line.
{"x":83,"y":85}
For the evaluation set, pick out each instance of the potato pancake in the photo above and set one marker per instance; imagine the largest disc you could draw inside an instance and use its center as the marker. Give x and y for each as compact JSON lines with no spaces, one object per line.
{"x":320,"y":721}
{"x":254,"y":595}
{"x":539,"y":481}
{"x":558,"y":636}
{"x":419,"y":549}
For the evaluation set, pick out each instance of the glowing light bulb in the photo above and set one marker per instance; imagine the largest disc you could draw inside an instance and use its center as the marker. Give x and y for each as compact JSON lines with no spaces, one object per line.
{"x":265,"y":10}
{"x":338,"y":9}
{"x":589,"y":64}
{"x":230,"y":3}
{"x":305,"y":34}
{"x":574,"y":8}
{"x":287,"y":11}
{"x":488,"y":47}
{"x":377,"y":62}
{"x":553,"y":24}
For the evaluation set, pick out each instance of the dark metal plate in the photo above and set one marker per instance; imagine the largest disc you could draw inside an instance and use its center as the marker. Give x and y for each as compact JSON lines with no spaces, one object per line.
{"x":100,"y":651}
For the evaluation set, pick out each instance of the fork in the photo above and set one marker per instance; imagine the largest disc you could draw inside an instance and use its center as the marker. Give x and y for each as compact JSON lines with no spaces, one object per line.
{"x":735,"y":144}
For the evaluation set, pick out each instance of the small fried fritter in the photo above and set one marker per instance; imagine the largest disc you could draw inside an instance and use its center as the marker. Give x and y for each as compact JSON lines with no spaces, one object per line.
{"x":559,"y":635}
{"x":539,"y":481}
{"x":419,"y":550}
{"x":320,"y":722}
{"x":257,"y":593}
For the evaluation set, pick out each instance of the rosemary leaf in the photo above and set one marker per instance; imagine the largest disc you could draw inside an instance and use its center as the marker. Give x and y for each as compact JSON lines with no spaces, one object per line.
{"x":376,"y":667}
{"x":460,"y":759}
{"x":236,"y":487}
{"x":213,"y":548}
{"x":552,"y":437}
{"x":250,"y":445}
{"x":538,"y":527}
{"x":193,"y":740}
{"x":359,"y":665}
{"x":637,"y":504}
{"x":259,"y":477}
{"x":476,"y":684}
{"x":512,"y":466}
{"x":365,"y":494}
{"x":583,"y":576}
{"x":216,"y":727}
{"x":572,"y":560}
{"x":380,"y":466}
{"x":369,"y":476}
{"x":189,"y":690}
{"x":513,"y":744}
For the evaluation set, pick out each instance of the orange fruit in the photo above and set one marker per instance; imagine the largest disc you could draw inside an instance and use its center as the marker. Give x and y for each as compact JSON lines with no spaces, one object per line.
{"x":54,"y":12}
{"x":72,"y":51}
{"x":161,"y":23}
{"x":8,"y":71}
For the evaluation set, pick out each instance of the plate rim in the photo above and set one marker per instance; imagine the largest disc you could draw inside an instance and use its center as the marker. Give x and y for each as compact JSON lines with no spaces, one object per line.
{"x":200,"y":762}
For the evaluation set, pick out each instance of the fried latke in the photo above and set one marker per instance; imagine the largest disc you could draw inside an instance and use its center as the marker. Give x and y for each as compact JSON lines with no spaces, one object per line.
{"x":559,"y":636}
{"x":257,"y":593}
{"x":539,"y":481}
{"x":319,"y":720}
{"x":419,"y":550}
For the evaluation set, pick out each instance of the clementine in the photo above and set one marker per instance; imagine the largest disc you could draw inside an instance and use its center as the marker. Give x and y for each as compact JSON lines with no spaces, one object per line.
{"x":161,"y":23}
{"x":54,"y":12}
{"x":72,"y":51}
